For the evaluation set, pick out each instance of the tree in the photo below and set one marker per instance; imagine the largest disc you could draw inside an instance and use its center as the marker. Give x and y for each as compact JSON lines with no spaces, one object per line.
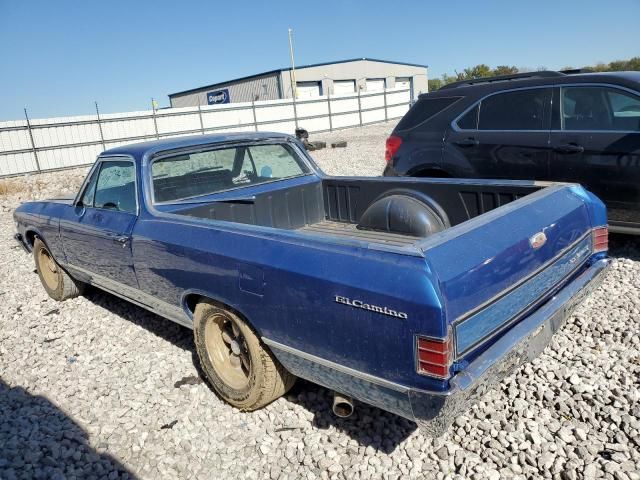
{"x":633,"y":64}
{"x":505,"y":70}
{"x":620,"y":65}
{"x":435,"y":84}
{"x":449,"y":78}
{"x":482,"y":70}
{"x":479,"y":71}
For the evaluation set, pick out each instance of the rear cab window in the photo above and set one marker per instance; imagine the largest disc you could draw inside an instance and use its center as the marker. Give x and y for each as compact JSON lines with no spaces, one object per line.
{"x":184,"y":176}
{"x":424,"y":109}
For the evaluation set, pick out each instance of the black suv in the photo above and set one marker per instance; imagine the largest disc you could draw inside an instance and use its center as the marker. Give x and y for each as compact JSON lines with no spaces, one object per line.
{"x":557,"y":126}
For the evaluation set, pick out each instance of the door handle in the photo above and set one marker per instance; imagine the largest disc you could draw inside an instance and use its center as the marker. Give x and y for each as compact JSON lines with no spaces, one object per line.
{"x":467,"y":142}
{"x":122,"y":239}
{"x":569,"y":148}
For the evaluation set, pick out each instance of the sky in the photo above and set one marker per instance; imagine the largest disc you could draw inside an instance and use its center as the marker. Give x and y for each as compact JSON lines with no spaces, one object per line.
{"x":58,"y":57}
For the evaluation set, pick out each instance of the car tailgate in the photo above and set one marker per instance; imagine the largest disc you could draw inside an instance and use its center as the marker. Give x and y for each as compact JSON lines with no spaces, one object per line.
{"x":494,"y":268}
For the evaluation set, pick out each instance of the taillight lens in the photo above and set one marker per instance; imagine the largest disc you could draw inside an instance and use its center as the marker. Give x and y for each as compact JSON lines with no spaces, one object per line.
{"x":600,"y":239}
{"x":393,"y":144}
{"x":433,"y":356}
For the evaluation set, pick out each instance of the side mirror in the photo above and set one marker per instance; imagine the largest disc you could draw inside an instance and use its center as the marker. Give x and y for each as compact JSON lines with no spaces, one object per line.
{"x":79,"y":208}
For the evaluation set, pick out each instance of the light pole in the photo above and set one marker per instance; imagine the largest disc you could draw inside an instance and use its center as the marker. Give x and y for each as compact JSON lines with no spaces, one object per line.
{"x":294,"y":87}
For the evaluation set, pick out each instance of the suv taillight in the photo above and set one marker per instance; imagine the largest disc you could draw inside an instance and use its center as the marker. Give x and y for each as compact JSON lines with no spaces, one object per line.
{"x":393,"y":144}
{"x":600,"y":237}
{"x":433,"y":356}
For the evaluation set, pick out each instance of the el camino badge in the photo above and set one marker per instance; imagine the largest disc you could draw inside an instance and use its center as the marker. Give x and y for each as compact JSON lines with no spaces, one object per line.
{"x":537,"y":240}
{"x":372,"y":308}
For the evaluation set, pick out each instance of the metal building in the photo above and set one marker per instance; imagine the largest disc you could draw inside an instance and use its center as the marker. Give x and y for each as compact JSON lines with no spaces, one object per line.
{"x":333,"y":78}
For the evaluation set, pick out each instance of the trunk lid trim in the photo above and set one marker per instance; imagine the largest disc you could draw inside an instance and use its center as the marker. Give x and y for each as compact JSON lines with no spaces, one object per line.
{"x":530,"y":292}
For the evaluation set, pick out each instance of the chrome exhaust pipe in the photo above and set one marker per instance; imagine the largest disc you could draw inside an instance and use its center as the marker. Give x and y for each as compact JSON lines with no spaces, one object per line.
{"x":342,"y":405}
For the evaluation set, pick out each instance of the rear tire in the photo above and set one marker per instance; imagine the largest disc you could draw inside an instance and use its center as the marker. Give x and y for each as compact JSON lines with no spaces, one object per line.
{"x":238,"y":365}
{"x":58,"y":284}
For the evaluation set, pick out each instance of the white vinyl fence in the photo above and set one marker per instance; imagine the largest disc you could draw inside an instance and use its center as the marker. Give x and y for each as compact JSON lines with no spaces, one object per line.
{"x":34,"y":145}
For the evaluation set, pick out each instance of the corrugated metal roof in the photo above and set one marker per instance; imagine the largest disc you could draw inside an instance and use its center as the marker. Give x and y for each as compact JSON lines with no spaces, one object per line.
{"x":271,"y":72}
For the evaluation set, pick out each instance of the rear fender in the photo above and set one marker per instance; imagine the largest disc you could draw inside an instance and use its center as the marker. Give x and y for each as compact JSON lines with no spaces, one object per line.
{"x":191,"y":298}
{"x":417,"y":154}
{"x":454,"y":160}
{"x":597,"y":209}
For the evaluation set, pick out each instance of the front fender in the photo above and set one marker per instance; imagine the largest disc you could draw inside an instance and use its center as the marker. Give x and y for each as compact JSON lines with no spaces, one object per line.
{"x":36,"y":219}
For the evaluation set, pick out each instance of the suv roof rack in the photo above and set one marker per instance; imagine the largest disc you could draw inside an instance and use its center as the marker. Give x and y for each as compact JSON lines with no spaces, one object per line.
{"x":502,"y":78}
{"x":573,"y":71}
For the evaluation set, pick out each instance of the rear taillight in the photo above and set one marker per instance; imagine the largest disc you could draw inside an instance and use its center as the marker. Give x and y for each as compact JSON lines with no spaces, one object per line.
{"x":433,"y":356}
{"x":393,"y":144}
{"x":600,"y":239}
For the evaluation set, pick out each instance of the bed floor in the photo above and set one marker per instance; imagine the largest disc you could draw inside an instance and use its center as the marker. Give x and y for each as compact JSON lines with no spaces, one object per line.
{"x":349,"y":230}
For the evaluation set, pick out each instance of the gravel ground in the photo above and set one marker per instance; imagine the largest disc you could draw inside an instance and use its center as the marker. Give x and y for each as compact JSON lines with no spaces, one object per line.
{"x":95,"y":387}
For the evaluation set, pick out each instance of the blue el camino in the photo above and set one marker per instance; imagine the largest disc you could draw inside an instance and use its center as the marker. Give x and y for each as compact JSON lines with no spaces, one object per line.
{"x":410,"y":294}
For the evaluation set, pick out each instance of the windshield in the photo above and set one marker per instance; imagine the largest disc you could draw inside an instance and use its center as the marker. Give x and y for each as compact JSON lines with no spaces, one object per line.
{"x":206,"y":172}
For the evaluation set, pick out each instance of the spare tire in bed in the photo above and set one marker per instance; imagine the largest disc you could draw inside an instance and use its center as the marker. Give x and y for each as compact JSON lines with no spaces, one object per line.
{"x":403,"y":214}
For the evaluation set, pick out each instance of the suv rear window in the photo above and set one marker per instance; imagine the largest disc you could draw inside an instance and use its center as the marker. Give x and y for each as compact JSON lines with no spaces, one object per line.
{"x":423,"y":110}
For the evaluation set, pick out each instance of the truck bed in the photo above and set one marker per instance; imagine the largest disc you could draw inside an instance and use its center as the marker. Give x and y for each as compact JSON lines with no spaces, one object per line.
{"x":336,"y":207}
{"x":349,"y":230}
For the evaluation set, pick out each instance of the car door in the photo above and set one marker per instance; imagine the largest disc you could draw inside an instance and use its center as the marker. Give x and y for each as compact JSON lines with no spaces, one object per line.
{"x":505,"y":135}
{"x":596,"y":142}
{"x":96,"y":230}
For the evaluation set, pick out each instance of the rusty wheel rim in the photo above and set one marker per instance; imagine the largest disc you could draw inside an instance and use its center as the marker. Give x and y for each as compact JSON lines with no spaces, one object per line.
{"x":48,"y":269}
{"x":228,"y":352}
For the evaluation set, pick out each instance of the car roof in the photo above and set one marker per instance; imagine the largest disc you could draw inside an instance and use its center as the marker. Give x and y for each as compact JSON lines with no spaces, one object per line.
{"x":533,"y":79}
{"x":146,"y":149}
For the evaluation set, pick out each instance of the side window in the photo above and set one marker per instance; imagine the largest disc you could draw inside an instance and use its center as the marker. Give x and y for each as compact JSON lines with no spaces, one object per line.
{"x":470,"y":119}
{"x":90,"y":190}
{"x":115,"y":188}
{"x":599,"y":108}
{"x":517,"y":110}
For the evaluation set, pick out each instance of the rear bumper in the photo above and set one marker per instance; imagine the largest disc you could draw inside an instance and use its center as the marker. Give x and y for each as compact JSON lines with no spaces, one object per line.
{"x":624,"y":228}
{"x":435,"y":411}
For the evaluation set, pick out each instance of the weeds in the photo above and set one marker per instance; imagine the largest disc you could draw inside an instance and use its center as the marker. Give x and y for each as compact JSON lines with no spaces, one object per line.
{"x":8,"y":187}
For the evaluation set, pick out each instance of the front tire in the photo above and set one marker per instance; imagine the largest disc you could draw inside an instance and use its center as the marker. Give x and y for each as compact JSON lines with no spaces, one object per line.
{"x":237,"y":364}
{"x":58,"y":284}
